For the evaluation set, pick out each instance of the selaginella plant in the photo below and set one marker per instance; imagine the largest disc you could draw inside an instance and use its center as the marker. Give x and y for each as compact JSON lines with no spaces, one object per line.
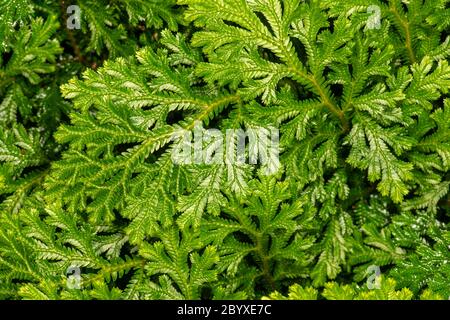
{"x":93,"y":205}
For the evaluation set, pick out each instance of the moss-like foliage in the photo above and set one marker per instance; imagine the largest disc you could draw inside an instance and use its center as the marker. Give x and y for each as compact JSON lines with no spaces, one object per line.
{"x":354,"y":95}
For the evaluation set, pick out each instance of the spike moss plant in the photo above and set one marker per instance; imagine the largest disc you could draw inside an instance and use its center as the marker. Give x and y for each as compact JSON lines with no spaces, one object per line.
{"x":93,"y":205}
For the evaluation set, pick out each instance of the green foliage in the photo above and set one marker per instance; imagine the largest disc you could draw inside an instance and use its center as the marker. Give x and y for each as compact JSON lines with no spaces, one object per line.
{"x":334,"y":291}
{"x":27,"y":143}
{"x":52,"y":243}
{"x":92,"y":122}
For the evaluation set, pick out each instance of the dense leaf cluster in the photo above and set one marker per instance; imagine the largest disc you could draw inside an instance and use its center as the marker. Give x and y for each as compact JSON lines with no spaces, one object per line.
{"x":90,"y":120}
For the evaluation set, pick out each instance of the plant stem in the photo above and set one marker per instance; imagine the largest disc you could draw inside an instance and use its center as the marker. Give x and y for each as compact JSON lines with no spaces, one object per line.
{"x":73,"y":42}
{"x":293,"y":64}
